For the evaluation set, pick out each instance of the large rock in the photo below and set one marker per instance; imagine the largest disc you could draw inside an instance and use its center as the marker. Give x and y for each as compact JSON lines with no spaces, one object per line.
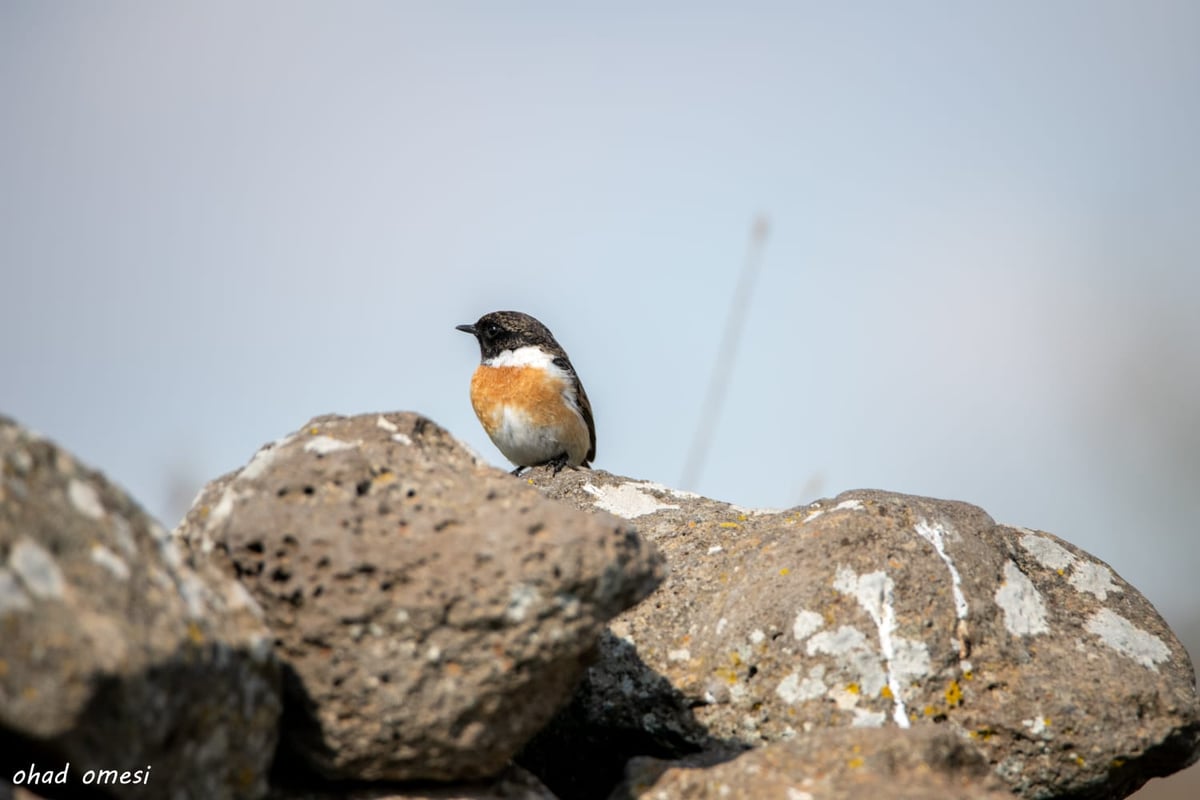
{"x":871,"y":610}
{"x":433,"y":613}
{"x":833,"y":764}
{"x":115,"y":654}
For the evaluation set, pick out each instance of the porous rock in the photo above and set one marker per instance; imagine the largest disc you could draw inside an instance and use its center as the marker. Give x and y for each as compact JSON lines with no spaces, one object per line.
{"x":432,"y":612}
{"x":833,"y":764}
{"x":875,"y":609}
{"x":116,"y":654}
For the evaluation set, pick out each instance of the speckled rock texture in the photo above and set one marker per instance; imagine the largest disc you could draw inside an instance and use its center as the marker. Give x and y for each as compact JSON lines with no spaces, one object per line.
{"x":115,"y":653}
{"x":432,"y":612}
{"x":835,"y":764}
{"x":876,"y":610}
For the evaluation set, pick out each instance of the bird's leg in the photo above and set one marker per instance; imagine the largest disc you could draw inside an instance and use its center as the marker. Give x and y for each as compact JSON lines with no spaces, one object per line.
{"x":517,"y":472}
{"x":558,"y":462}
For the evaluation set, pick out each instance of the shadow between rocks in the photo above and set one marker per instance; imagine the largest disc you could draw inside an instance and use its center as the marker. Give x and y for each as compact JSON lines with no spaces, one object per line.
{"x":291,"y":770}
{"x":18,"y":754}
{"x":621,"y":709}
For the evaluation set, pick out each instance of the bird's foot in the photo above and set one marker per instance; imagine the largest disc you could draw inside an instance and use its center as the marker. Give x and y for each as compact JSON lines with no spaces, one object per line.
{"x":517,"y":472}
{"x":558,"y":462}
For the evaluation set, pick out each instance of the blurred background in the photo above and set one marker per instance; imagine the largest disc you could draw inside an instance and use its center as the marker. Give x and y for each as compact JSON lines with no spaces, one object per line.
{"x":218,"y":220}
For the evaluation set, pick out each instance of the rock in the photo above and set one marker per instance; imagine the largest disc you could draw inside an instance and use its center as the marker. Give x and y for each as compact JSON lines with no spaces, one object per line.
{"x":116,"y":654}
{"x":835,"y":764}
{"x":433,"y":613}
{"x":512,"y":784}
{"x":621,"y":710}
{"x":871,"y":610}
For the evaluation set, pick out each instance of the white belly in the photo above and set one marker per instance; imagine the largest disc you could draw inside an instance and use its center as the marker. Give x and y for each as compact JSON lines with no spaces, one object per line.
{"x":526,"y":444}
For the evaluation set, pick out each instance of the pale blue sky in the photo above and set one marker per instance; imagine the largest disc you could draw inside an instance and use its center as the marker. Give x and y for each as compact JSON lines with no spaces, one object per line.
{"x":220,"y":219}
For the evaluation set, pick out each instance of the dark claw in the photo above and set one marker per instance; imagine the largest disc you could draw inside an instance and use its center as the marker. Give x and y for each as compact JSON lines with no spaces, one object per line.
{"x":517,"y":472}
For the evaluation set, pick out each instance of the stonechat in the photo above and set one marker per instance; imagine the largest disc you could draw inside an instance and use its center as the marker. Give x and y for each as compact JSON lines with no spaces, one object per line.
{"x":527,"y":395}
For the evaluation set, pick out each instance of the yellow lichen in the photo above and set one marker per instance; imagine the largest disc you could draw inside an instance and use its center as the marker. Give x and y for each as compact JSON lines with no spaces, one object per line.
{"x":954,"y":694}
{"x":728,"y":675}
{"x":886,"y":692}
{"x":784,"y":571}
{"x":730,"y":525}
{"x":195,"y":634}
{"x":852,"y":688}
{"x":855,"y":762}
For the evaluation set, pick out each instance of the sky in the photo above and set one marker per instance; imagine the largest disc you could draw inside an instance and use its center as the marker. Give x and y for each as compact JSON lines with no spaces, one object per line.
{"x":218,"y":220}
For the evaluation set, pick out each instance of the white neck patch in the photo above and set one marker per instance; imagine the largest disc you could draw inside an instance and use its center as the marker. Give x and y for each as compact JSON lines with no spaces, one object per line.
{"x":525,"y":357}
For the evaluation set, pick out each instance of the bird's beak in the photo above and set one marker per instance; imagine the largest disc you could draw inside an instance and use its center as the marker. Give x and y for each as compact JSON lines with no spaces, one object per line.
{"x":465,"y":329}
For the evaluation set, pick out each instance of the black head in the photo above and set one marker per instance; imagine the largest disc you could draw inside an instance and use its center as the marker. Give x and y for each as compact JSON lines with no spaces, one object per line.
{"x":508,"y":330}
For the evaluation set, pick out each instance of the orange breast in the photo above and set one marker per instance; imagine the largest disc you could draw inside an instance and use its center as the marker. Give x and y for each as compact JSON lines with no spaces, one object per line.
{"x":528,"y":388}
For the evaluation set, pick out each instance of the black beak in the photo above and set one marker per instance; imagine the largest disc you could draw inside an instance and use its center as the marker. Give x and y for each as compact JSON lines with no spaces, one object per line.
{"x":465,"y":329}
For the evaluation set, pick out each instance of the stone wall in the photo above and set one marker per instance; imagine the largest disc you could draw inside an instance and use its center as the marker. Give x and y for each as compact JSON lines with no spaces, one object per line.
{"x":365,"y":610}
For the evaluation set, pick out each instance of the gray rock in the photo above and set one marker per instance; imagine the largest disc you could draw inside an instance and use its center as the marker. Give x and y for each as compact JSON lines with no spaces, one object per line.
{"x":875,"y":609}
{"x":116,"y":654}
{"x":834,"y":764}
{"x":433,"y":613}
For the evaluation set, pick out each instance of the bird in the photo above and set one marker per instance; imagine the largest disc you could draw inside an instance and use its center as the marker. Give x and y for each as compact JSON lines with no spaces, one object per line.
{"x":527,"y":394}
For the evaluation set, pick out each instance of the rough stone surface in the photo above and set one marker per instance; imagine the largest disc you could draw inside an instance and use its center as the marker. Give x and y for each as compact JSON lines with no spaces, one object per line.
{"x":835,"y":764}
{"x":512,"y":784}
{"x":115,"y":653}
{"x":432,"y":612}
{"x":875,"y":609}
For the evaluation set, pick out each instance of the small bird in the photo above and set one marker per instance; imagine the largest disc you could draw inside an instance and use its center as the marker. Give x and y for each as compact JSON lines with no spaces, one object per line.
{"x":527,"y":395}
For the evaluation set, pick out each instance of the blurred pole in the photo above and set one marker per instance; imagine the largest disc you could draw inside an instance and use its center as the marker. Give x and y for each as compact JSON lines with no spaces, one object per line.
{"x":739,"y":304}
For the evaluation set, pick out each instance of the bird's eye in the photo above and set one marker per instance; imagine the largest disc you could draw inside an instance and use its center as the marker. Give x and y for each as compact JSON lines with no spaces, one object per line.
{"x":491,"y":331}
